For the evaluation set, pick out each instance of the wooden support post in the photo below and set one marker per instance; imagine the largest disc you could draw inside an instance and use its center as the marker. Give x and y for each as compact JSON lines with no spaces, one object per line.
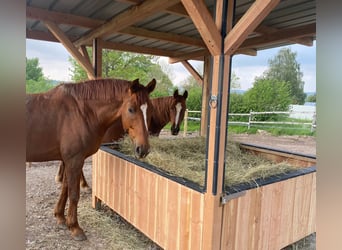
{"x":205,"y":96}
{"x":97,"y":57}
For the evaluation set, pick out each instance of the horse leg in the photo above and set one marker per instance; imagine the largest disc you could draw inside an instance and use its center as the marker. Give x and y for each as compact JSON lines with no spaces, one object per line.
{"x":59,"y":176}
{"x":83,"y":182}
{"x":60,"y":206}
{"x":73,"y":171}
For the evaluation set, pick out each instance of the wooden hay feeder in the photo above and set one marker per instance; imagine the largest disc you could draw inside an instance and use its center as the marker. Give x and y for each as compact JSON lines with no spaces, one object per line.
{"x":178,"y":214}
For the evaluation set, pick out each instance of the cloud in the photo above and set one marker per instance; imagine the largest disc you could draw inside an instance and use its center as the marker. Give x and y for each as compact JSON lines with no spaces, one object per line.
{"x":53,"y":58}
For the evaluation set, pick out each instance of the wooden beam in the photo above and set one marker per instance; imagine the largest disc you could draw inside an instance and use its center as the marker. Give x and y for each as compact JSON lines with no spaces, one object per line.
{"x":137,"y":49}
{"x":265,"y":31}
{"x":282,"y":35}
{"x":200,"y":54}
{"x":97,"y":57}
{"x":205,"y":95}
{"x":74,"y":20}
{"x":58,"y":33}
{"x":61,"y":18}
{"x":204,"y":23}
{"x":188,"y":56}
{"x":249,"y":21}
{"x":177,"y":9}
{"x":84,"y":52}
{"x":163,"y":36}
{"x":193,"y":72}
{"x":127,"y":18}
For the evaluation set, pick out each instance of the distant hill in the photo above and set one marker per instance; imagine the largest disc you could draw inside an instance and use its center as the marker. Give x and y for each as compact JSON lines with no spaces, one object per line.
{"x":54,"y":82}
{"x":310,"y":93}
{"x":238,"y":91}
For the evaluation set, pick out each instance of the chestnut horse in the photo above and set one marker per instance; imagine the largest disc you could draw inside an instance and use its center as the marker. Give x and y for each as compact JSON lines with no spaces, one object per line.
{"x":169,"y":109}
{"x":68,"y":123}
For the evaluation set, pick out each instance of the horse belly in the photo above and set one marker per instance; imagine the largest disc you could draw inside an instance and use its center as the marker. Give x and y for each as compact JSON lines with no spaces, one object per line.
{"x":41,"y":143}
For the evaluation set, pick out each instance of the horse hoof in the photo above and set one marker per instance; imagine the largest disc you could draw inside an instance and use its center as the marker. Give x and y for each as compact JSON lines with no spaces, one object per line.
{"x":79,"y":236}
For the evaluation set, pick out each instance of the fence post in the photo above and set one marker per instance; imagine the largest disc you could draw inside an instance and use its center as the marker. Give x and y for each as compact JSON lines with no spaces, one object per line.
{"x":313,"y":124}
{"x":249,"y":119}
{"x":185,"y":123}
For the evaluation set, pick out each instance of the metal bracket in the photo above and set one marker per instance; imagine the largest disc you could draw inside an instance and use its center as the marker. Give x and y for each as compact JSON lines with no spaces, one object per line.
{"x":213,"y":101}
{"x":227,"y":197}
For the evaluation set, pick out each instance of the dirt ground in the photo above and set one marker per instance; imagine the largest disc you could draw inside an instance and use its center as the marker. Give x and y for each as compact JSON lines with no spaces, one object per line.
{"x":104,"y":228}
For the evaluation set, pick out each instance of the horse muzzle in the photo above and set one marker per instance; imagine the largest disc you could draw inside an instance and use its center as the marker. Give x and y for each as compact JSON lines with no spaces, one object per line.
{"x":141,"y":151}
{"x":174,"y":130}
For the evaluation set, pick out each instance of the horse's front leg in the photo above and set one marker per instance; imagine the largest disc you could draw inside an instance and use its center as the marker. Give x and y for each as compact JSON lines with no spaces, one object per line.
{"x":73,"y":171}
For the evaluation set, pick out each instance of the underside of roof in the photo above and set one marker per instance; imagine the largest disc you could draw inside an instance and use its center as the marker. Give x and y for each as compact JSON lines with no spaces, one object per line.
{"x":160,"y":27}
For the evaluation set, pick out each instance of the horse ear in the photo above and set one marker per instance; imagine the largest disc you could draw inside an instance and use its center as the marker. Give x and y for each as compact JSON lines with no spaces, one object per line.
{"x":185,"y":95}
{"x":135,"y":85}
{"x":175,"y":93}
{"x":151,"y":85}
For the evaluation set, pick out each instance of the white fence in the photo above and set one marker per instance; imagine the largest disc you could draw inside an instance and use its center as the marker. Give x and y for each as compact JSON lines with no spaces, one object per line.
{"x":305,"y":115}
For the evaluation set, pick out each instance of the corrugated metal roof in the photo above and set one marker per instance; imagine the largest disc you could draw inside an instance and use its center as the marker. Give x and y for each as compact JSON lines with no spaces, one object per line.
{"x":154,"y":31}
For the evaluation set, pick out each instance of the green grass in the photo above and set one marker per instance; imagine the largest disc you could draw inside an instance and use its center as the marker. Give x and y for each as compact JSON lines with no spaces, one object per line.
{"x":274,"y":129}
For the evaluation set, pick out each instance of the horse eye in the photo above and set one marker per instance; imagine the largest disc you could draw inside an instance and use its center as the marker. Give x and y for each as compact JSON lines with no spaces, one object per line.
{"x":131,"y":110}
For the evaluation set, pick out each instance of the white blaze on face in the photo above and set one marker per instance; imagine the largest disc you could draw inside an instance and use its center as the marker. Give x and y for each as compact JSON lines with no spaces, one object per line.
{"x":178,"y":110}
{"x":144,"y":111}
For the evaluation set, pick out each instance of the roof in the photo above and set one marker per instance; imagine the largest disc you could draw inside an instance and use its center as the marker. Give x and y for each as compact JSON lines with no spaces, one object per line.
{"x":166,"y":29}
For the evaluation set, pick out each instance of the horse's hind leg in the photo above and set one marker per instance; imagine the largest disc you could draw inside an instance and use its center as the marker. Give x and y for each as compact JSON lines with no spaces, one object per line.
{"x":73,"y":171}
{"x":60,"y":174}
{"x":60,"y":206}
{"x":83,"y":182}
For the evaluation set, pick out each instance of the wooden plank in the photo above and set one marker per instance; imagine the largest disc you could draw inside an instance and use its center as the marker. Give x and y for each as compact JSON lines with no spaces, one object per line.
{"x":184,"y":211}
{"x":196,"y":224}
{"x":193,"y":72}
{"x":127,"y":18}
{"x":172,"y":215}
{"x":205,"y":25}
{"x":272,"y":216}
{"x":205,"y":96}
{"x":248,"y":22}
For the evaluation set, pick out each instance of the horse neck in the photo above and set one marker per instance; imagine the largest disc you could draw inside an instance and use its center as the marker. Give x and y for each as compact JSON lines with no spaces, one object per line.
{"x":102,"y":106}
{"x":161,"y":112}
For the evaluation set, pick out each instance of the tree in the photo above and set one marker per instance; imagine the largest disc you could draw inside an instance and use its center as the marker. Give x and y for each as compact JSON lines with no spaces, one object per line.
{"x":234,"y":81}
{"x":35,"y":80}
{"x":311,"y":98}
{"x":284,"y":68}
{"x":128,"y":66}
{"x":33,"y":71}
{"x":267,"y":95}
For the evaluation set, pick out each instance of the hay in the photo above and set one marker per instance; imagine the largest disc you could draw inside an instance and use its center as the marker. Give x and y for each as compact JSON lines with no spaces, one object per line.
{"x":185,"y":157}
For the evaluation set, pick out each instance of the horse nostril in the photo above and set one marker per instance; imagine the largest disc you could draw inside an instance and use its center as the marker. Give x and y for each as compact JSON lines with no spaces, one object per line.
{"x":138,"y":151}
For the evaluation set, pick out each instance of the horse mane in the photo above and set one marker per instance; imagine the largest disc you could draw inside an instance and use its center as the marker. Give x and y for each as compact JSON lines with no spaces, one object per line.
{"x":159,"y":110}
{"x":99,"y":89}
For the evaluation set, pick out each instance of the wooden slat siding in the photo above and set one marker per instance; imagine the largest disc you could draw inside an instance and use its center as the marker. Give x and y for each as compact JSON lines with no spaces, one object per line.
{"x":167,"y":212}
{"x":172,"y":218}
{"x":196,"y":225}
{"x":272,"y":216}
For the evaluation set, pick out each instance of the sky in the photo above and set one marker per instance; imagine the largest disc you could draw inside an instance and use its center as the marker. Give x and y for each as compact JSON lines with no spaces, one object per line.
{"x":53,"y":59}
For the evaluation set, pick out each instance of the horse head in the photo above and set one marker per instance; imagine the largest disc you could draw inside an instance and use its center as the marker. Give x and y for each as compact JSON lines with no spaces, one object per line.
{"x":136,"y":115}
{"x":177,"y":111}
